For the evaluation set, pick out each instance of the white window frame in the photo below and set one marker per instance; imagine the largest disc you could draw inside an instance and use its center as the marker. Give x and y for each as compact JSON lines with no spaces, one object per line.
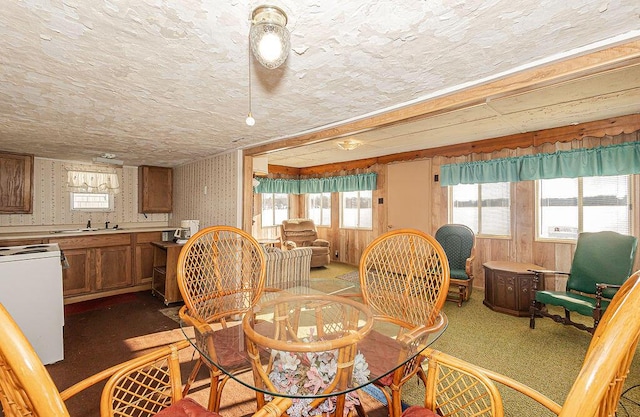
{"x":477,"y":228}
{"x":359,"y":220}
{"x":580,"y":212}
{"x":323,"y":222}
{"x":75,"y":202}
{"x":273,"y":212}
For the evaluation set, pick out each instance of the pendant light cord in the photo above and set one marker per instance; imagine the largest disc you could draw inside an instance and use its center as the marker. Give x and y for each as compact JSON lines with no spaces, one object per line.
{"x":249,"y":120}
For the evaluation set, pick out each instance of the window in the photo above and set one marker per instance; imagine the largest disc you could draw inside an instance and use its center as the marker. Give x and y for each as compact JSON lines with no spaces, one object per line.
{"x":356,"y":210}
{"x":91,"y":202}
{"x":275,"y":209}
{"x":319,"y":208}
{"x":485,"y":208}
{"x":568,"y":206}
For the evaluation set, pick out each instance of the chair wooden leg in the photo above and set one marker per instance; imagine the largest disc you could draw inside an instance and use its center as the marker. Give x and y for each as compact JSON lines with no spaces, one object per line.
{"x":532,"y":314}
{"x":192,"y":377}
{"x":462,"y":290}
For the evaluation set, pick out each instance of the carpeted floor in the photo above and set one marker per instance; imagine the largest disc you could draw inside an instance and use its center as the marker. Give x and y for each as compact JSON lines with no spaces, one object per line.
{"x":334,"y":269}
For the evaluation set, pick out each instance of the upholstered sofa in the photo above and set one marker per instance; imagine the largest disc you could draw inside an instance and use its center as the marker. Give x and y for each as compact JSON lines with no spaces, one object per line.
{"x":296,"y":233}
{"x":287,"y":268}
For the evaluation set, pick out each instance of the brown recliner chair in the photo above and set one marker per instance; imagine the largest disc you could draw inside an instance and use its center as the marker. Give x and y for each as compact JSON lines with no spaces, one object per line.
{"x":297,"y":233}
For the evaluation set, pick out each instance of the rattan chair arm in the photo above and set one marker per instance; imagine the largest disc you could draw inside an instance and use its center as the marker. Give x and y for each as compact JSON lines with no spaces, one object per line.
{"x":540,"y":398}
{"x":350,"y":294}
{"x":421,"y":331}
{"x":107,"y":373}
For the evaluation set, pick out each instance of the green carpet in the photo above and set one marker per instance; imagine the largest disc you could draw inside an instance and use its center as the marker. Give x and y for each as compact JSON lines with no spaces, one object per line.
{"x":547,"y":358}
{"x":333,"y":270}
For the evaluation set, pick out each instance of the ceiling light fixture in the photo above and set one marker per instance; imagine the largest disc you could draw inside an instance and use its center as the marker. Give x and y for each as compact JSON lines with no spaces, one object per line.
{"x":107,"y":160}
{"x":349,"y":144}
{"x":269,"y":37}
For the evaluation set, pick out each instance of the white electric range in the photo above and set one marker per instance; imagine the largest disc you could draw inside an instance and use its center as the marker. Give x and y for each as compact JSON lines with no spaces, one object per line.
{"x":31,"y":291}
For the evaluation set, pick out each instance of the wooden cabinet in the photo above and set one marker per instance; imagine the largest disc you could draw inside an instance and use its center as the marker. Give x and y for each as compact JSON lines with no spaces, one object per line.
{"x":16,"y":183}
{"x":143,"y":257}
{"x":508,"y":286}
{"x":97,"y":263}
{"x":165,"y":264}
{"x":22,"y":242}
{"x":155,"y":189}
{"x":78,"y":278}
{"x":113,"y":267}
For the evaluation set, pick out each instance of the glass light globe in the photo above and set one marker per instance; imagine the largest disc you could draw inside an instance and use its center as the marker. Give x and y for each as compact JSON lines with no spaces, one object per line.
{"x":270,"y":47}
{"x":269,"y":37}
{"x":250,"y":121}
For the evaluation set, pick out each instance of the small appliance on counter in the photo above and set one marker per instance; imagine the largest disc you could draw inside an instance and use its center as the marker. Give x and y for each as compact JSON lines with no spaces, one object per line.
{"x":187,"y":229}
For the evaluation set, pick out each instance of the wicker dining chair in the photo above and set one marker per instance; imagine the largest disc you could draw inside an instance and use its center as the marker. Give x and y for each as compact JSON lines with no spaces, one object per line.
{"x":454,"y":387}
{"x":404,"y":277}
{"x":221,"y":275}
{"x":147,"y":386}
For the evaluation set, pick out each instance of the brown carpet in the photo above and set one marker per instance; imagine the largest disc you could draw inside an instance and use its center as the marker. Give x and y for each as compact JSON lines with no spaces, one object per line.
{"x":103,"y":333}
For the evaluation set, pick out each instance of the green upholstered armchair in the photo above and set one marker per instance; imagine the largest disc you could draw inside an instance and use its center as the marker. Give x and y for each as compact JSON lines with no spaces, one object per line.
{"x":459,"y":243}
{"x":602,"y":262}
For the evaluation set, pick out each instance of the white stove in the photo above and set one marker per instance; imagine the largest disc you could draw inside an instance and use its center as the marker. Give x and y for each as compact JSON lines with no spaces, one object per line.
{"x":14,"y":253}
{"x":31,"y":291}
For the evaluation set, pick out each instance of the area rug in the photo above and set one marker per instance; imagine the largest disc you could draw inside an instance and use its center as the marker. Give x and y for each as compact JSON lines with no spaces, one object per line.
{"x":171,"y":312}
{"x":352,"y":276}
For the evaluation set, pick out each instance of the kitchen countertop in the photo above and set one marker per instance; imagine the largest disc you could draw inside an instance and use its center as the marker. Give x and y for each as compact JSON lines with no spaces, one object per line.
{"x":63,"y":232}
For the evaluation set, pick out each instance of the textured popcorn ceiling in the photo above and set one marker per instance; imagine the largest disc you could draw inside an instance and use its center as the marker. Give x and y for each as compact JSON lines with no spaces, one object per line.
{"x":166,"y":82}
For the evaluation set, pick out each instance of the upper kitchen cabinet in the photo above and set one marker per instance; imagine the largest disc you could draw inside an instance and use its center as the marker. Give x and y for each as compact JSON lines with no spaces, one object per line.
{"x":16,"y":183}
{"x":155,"y":189}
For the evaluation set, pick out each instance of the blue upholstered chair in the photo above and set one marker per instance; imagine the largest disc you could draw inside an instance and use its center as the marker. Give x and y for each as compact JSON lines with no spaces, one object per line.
{"x":459,"y":243}
{"x":602,"y":262}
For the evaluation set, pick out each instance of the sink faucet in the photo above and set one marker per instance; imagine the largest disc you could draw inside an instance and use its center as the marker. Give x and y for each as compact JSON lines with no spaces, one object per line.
{"x":106,"y":225}
{"x":89,"y":224}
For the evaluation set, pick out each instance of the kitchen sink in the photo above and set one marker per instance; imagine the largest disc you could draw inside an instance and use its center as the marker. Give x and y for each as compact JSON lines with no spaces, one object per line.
{"x":86,"y":229}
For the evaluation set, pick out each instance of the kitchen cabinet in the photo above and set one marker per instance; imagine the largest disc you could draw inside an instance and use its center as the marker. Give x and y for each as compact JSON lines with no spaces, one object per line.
{"x":97,"y":263}
{"x":16,"y":183}
{"x":22,"y":242}
{"x":78,"y":277}
{"x":165,"y":265}
{"x":508,"y":286}
{"x":113,"y":266}
{"x":155,"y":189}
{"x":143,"y":257}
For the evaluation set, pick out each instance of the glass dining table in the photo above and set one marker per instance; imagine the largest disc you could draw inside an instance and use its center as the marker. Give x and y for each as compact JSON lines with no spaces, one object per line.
{"x":316,"y":345}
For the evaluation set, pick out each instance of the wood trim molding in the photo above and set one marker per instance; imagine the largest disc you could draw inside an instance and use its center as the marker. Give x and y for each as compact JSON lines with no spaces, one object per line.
{"x":586,"y":65}
{"x":597,"y":129}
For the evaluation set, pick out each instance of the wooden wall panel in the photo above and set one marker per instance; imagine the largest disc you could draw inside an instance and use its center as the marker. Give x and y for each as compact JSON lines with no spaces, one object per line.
{"x":521,"y":246}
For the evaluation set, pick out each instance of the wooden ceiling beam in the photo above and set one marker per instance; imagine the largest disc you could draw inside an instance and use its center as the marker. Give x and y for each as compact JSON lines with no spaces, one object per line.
{"x":600,"y":128}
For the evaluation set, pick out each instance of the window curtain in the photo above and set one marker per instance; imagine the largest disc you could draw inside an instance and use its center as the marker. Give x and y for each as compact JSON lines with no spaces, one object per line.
{"x":93,"y":181}
{"x":619,"y":159}
{"x":358,"y":182}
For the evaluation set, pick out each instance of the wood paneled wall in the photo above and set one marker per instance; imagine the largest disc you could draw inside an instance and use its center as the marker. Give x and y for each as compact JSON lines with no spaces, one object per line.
{"x":521,"y":247}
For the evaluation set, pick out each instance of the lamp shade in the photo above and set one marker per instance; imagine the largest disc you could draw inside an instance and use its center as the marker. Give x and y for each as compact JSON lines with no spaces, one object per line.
{"x":269,"y":36}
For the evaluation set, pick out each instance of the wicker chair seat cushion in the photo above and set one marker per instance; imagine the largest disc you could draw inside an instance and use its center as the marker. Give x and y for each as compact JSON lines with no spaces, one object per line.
{"x":419,"y":411}
{"x":186,"y":407}
{"x":579,"y":303}
{"x":378,"y":349}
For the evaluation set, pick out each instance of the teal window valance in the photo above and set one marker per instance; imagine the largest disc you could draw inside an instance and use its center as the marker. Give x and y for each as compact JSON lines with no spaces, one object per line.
{"x":596,"y":162}
{"x":357,"y":182}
